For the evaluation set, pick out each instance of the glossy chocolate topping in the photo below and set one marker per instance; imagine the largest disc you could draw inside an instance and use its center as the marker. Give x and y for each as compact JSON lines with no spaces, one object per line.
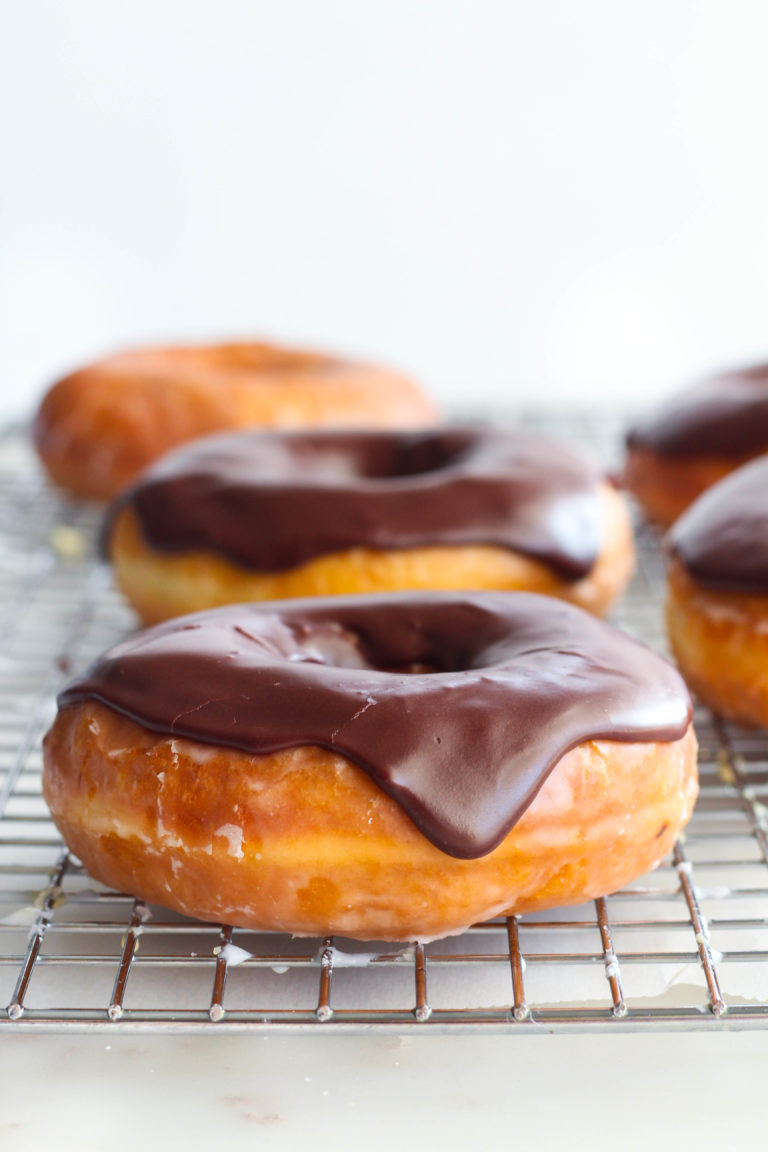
{"x":722,"y":539}
{"x":456,"y":705}
{"x":272,"y":501}
{"x":726,"y":415}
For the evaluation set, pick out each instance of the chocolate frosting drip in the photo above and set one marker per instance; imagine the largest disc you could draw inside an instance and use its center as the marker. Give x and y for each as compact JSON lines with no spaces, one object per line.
{"x":457,"y":706}
{"x":271,"y":501}
{"x":726,"y":415}
{"x":722,"y":539}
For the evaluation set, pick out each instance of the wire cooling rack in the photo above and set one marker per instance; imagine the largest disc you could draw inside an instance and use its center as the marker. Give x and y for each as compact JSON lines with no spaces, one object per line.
{"x":684,"y":947}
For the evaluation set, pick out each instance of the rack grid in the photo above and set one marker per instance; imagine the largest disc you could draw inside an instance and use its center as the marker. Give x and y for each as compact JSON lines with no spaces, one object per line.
{"x":683,"y":947}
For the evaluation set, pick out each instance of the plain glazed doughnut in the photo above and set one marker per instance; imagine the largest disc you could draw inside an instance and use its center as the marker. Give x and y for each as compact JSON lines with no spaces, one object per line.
{"x":97,"y":428}
{"x":717,"y":605}
{"x":695,"y":439}
{"x":254,"y":516}
{"x":391,"y":767}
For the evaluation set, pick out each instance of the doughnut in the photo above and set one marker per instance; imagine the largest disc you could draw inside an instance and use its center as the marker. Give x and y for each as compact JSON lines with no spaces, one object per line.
{"x":99,"y":427}
{"x":695,"y":439}
{"x":255,"y":516}
{"x":717,"y":603}
{"x":386,"y":767}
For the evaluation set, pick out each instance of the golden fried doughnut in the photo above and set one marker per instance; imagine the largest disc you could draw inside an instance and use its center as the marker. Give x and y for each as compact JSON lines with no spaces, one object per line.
{"x":390,"y":767}
{"x":97,"y":428}
{"x":270,"y":516}
{"x":665,"y":486}
{"x":717,"y":605}
{"x":695,"y":439}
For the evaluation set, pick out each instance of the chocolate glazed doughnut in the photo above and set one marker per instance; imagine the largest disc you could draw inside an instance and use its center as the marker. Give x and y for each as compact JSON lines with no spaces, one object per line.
{"x":695,"y":439}
{"x":717,"y":605}
{"x":382,"y":767}
{"x":255,"y":516}
{"x":97,"y":428}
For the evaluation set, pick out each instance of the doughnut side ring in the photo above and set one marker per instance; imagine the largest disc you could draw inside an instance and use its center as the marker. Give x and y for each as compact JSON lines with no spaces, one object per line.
{"x":98,"y":427}
{"x":395,"y":766}
{"x":665,"y":486}
{"x":249,"y":517}
{"x":160,"y":585}
{"x":720,"y":642}
{"x":695,"y":438}
{"x":717,"y":603}
{"x":302,"y":841}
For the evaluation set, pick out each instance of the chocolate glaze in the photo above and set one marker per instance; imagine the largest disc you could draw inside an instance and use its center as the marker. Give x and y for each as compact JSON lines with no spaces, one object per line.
{"x":725,"y":415}
{"x":271,"y":501}
{"x":722,"y":539}
{"x":457,"y":705}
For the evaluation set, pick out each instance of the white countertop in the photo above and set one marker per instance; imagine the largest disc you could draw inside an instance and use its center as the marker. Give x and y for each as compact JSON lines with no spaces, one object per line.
{"x":533,"y":1092}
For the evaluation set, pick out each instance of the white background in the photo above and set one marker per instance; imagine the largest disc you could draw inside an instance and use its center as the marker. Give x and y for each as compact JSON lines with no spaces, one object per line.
{"x":563,"y":199}
{"x":515,"y":200}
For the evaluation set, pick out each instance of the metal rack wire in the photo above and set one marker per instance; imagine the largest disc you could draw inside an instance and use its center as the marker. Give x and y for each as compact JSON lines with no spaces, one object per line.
{"x":684,"y":947}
